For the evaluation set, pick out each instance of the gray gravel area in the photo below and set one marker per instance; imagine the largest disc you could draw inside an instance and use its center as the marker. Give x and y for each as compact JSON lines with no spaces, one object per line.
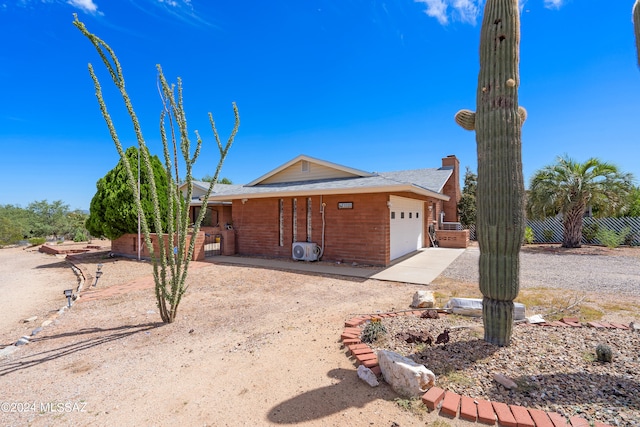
{"x":589,"y":273}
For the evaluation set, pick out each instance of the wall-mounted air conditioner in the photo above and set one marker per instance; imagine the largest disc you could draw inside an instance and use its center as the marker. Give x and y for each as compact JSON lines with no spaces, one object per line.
{"x":305,"y":251}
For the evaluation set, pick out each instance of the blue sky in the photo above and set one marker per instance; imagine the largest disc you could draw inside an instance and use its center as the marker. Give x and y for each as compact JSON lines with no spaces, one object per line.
{"x":369,"y":84}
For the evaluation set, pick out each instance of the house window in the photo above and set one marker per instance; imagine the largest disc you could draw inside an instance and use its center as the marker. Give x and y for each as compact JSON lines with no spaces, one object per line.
{"x":417,"y":215}
{"x":305,"y":166}
{"x":393,"y":215}
{"x":410,"y":214}
{"x":401,"y":215}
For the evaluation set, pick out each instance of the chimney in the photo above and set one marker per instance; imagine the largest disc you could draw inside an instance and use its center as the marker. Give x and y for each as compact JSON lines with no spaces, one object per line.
{"x":452,"y":188}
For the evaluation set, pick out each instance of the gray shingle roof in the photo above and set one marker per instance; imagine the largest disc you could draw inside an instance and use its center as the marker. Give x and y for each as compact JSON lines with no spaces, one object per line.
{"x":432,"y":180}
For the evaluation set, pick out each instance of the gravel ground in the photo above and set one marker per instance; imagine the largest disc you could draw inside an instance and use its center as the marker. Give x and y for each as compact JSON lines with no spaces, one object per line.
{"x":588,"y":272}
{"x":555,"y":368}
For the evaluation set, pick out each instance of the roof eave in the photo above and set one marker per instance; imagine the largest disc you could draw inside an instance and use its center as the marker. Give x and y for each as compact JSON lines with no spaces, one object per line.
{"x":337,"y":191}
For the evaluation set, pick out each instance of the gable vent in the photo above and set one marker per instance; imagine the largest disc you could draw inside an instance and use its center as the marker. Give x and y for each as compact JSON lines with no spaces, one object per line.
{"x":305,"y":166}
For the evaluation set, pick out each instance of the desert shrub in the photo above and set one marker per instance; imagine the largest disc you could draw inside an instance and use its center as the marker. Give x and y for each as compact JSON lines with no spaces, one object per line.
{"x":80,"y":236}
{"x":36,"y":241}
{"x":612,"y":238}
{"x":373,"y":331}
{"x":528,"y":235}
{"x":548,"y":235}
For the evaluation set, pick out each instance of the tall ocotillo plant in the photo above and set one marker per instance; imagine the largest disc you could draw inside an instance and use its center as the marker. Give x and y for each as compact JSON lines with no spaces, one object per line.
{"x":497,"y":122}
{"x":171,"y":264}
{"x":636,"y":26}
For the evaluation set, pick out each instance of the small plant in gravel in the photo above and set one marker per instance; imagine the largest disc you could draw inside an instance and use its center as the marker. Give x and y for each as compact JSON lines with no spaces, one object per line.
{"x":374,"y":330}
{"x":588,"y":357}
{"x":410,"y":404}
{"x":528,"y":235}
{"x":604,"y":353}
{"x":589,"y":314}
{"x":566,"y":305}
{"x":456,"y":377}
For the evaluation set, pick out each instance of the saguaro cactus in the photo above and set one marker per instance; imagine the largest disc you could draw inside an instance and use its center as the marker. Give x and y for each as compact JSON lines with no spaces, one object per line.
{"x":500,"y":194}
{"x":636,"y":26}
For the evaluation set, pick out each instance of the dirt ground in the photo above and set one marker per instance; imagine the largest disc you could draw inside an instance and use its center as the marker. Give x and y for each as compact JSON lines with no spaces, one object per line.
{"x":250,"y":347}
{"x":31,"y":284}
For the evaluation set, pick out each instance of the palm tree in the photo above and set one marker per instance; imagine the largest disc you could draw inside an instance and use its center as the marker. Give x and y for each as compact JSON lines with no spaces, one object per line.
{"x":570,"y":188}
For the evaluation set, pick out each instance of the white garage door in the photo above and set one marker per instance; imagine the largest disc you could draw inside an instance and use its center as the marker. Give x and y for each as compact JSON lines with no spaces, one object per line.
{"x":406,"y":228}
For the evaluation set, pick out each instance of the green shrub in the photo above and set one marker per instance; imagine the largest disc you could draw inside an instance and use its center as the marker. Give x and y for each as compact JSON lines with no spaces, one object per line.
{"x":37,"y":241}
{"x":590,"y":232}
{"x":612,"y":238}
{"x":373,"y":330}
{"x":80,"y":236}
{"x":528,"y":235}
{"x":548,"y":235}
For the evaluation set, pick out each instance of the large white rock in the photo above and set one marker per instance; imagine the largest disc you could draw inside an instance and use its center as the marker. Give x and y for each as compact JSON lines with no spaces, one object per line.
{"x":473,"y":307}
{"x":404,"y":375}
{"x":423,"y":299}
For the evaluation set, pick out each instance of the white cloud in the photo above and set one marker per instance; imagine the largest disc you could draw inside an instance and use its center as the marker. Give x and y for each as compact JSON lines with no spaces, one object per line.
{"x":553,"y":4}
{"x":180,"y":9}
{"x":176,"y":3}
{"x":86,"y":5}
{"x":467,"y":10}
{"x":436,"y":9}
{"x":461,"y":10}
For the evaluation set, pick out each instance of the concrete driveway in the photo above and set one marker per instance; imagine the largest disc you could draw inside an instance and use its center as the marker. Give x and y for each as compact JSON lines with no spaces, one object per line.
{"x":420,"y":267}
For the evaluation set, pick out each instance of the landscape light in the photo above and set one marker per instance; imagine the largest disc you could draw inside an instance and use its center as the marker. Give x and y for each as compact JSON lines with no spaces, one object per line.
{"x":68,"y":293}
{"x":98,"y":274}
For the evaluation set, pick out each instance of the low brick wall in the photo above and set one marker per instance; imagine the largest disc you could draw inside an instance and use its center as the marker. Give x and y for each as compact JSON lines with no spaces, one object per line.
{"x":127,"y":245}
{"x":452,"y":238}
